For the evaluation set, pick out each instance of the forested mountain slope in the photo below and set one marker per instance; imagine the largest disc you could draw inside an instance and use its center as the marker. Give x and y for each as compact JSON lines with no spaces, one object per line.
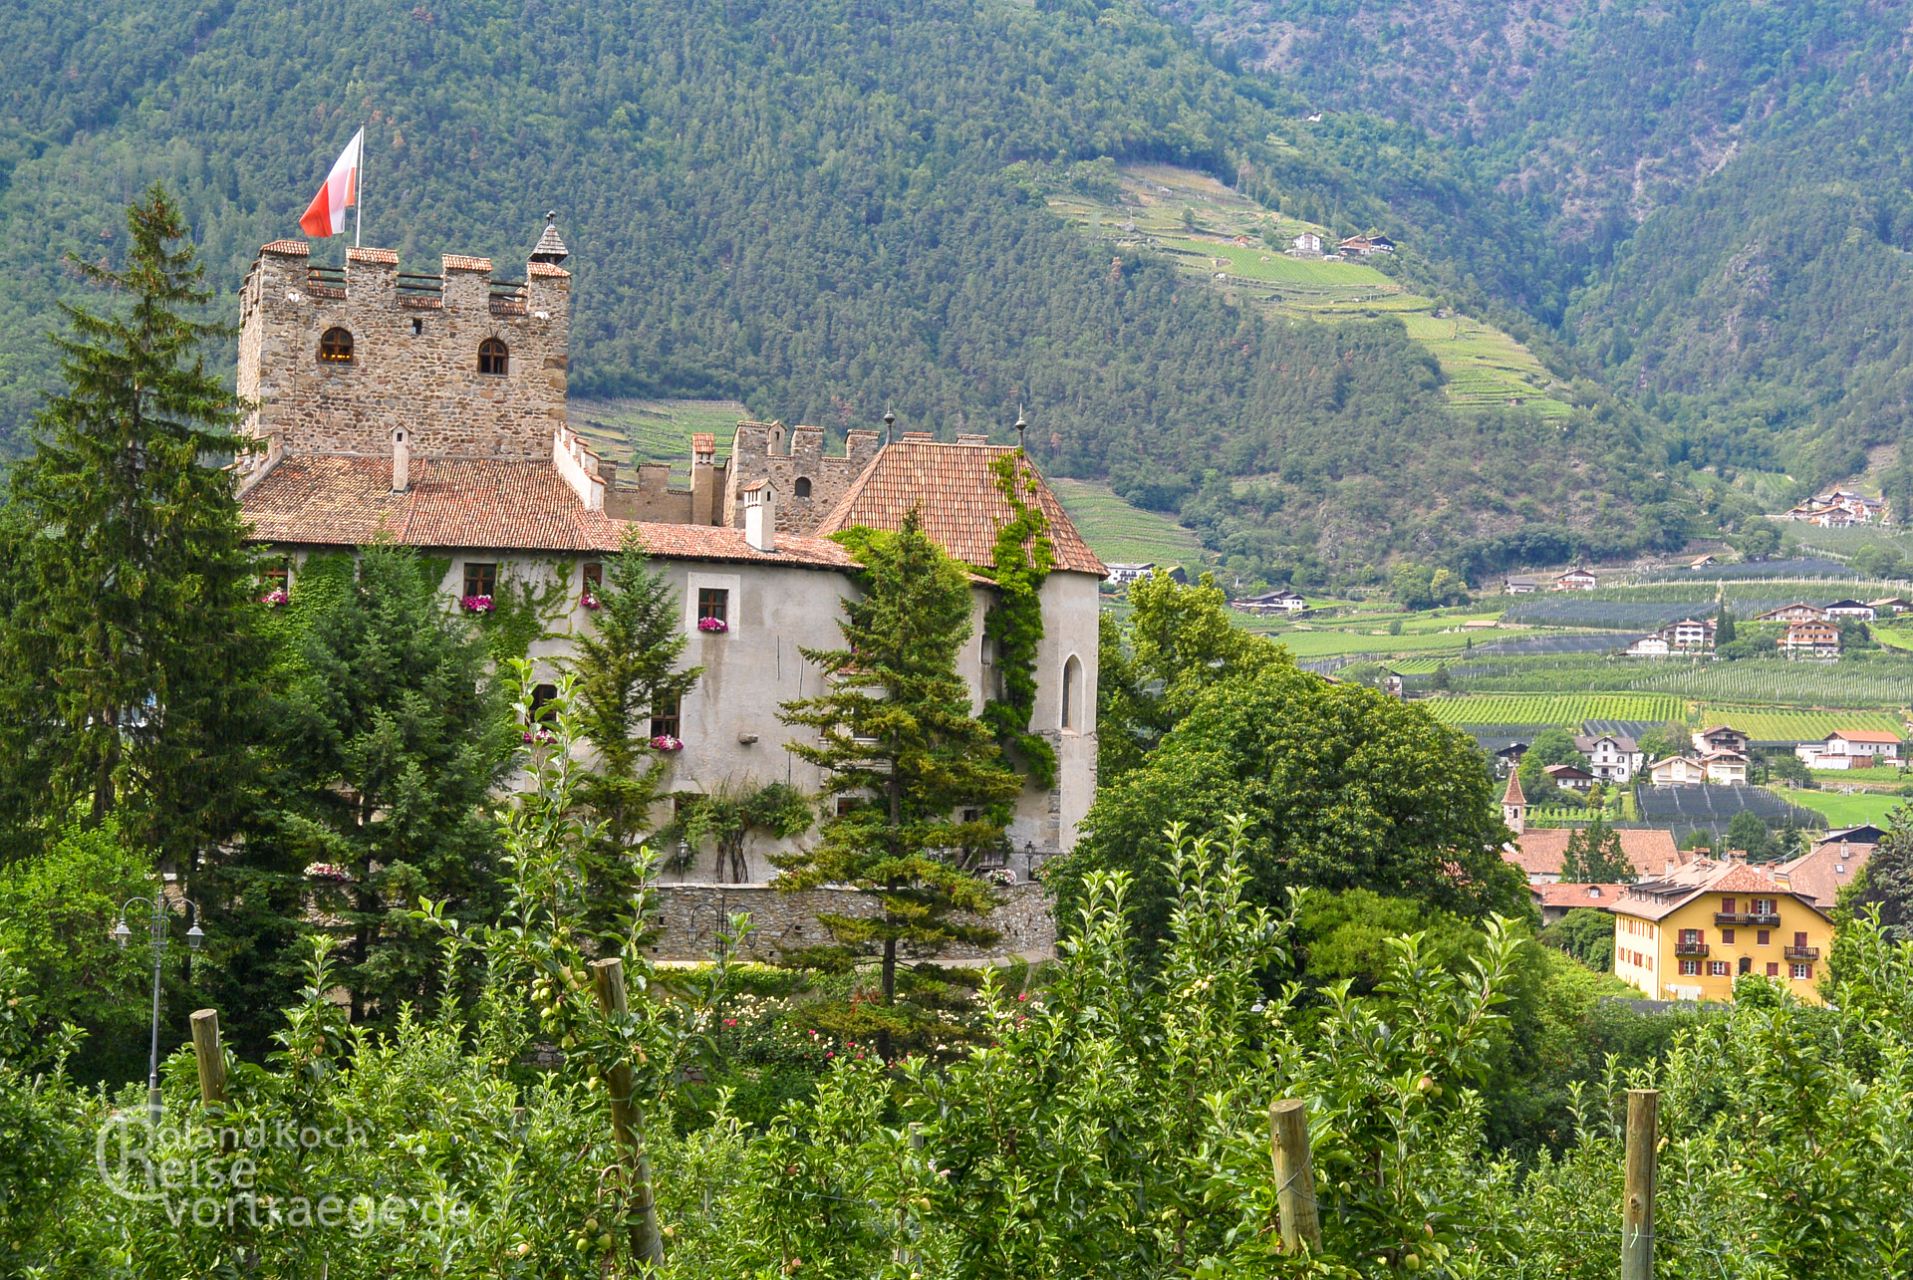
{"x":805,"y":206}
{"x":1724,"y":187}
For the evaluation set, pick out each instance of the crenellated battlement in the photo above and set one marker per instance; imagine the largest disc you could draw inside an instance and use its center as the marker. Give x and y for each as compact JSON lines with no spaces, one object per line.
{"x":808,"y":481}
{"x":471,"y":362}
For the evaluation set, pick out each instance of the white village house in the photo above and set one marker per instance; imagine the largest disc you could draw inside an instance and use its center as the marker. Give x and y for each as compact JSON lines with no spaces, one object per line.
{"x":430,"y":411}
{"x":1851,"y":749}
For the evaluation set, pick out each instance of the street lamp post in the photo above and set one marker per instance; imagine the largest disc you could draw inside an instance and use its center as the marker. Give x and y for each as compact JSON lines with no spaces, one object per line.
{"x":158,"y":914}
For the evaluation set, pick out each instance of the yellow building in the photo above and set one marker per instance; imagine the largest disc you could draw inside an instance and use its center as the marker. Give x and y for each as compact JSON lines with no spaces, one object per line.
{"x":1690,"y":933}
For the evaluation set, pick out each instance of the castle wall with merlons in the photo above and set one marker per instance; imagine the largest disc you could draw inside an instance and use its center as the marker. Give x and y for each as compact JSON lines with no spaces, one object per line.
{"x":415,"y":356}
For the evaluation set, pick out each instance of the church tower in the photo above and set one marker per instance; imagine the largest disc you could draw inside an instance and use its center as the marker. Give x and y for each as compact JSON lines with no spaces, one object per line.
{"x":1514,"y":805}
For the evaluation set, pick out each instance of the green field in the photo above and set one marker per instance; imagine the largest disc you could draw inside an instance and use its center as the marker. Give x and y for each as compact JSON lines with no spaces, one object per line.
{"x":1380,"y":645}
{"x":1889,"y":774}
{"x":632,"y":431}
{"x":1776,"y":724}
{"x":1566,"y":710}
{"x":1124,"y":534}
{"x":1227,"y":247}
{"x":1844,"y":810}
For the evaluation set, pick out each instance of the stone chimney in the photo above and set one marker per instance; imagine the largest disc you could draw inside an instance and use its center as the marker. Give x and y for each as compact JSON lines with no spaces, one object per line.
{"x":760,"y":516}
{"x":401,"y":461}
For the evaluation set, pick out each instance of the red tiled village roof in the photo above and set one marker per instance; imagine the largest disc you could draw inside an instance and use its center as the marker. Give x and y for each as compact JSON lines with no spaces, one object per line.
{"x":953,"y":487}
{"x":1539,"y":851}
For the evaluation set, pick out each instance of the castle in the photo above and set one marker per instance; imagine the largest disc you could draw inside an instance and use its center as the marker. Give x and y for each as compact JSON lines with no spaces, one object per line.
{"x":430,"y":410}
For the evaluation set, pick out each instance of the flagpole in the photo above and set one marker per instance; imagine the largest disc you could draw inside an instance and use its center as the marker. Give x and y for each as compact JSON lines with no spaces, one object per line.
{"x":358,"y":203}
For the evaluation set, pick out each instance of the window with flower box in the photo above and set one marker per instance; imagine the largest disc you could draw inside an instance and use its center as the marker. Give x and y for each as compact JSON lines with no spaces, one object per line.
{"x":713,"y":605}
{"x":481,"y":579}
{"x":667,"y":717}
{"x":593,"y":574}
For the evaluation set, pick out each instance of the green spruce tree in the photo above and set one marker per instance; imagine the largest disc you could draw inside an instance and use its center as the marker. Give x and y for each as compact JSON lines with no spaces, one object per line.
{"x":627,"y":668}
{"x":897,"y":736}
{"x":126,"y":624}
{"x":392,"y":739}
{"x":1594,"y":855}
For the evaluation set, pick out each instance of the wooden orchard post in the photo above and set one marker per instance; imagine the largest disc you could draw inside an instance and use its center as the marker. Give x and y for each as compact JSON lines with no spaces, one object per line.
{"x":210,"y":1057}
{"x":1294,"y":1174}
{"x":627,"y":1124}
{"x":1637,"y":1204}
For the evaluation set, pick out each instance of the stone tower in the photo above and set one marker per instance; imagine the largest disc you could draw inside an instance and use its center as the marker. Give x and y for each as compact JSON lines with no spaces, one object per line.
{"x":339,"y":358}
{"x":1514,"y":805}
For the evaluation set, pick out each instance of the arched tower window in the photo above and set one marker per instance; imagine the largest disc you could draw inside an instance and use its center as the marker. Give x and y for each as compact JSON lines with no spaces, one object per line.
{"x":494,"y":358}
{"x":335,"y":346}
{"x":802,"y":486}
{"x":1073,"y":694}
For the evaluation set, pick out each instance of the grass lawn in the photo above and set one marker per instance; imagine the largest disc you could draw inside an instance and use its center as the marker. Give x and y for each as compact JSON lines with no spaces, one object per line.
{"x":1843,"y":810}
{"x":1121,"y":533}
{"x":1330,"y":642}
{"x":1881,"y":773}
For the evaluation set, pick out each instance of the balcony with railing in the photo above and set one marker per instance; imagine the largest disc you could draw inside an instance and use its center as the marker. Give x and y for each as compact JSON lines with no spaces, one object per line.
{"x":1759,"y":919}
{"x":1800,"y":953}
{"x":1687,"y":947}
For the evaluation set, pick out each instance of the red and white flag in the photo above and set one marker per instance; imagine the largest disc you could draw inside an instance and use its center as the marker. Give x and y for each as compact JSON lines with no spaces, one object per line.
{"x":325,"y":216}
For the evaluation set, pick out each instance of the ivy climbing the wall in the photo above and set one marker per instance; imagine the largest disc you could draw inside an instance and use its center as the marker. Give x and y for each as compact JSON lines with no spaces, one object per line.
{"x":1021,"y":562}
{"x":524,"y":612}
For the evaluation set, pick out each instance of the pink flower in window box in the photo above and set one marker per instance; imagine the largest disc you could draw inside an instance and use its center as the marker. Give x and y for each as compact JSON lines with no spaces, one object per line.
{"x":476,"y":604}
{"x":665,"y":742}
{"x":590,"y":601}
{"x":275,"y":597}
{"x":713,"y":625}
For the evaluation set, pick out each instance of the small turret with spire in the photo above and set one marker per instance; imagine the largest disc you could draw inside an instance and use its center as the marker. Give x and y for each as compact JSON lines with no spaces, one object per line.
{"x":551,"y":248}
{"x":1514,"y":805}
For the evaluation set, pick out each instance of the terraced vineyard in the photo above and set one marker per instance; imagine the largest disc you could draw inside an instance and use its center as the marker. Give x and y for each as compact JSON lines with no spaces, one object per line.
{"x":1563,"y":710}
{"x":1227,"y":248}
{"x":1883,"y":685}
{"x":1779,"y":724}
{"x":631,"y":431}
{"x":1122,"y":533}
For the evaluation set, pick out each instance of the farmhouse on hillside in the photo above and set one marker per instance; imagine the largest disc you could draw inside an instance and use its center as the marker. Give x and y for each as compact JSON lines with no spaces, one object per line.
{"x":1813,"y":640}
{"x":1851,"y":749}
{"x":430,"y":411}
{"x":1576,"y":579}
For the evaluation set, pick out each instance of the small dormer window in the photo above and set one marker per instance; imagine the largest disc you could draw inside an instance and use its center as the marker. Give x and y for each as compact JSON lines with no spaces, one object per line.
{"x":494,"y":358}
{"x":335,"y":346}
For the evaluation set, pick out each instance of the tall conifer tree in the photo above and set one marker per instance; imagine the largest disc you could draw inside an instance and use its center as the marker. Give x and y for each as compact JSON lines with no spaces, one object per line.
{"x":627,"y":672}
{"x":896,"y":733}
{"x":127,"y":633}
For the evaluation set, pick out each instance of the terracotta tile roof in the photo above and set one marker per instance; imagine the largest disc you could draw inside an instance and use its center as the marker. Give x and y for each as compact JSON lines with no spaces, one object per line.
{"x":464,"y":262}
{"x":333,"y":500}
{"x":1569,"y":893}
{"x":389,"y":257}
{"x":1656,"y":899}
{"x":1825,"y":870}
{"x":1865,"y":735}
{"x":1513,"y":794}
{"x":290,"y":248}
{"x":1539,"y":851}
{"x":547,"y":269}
{"x":953,"y":486}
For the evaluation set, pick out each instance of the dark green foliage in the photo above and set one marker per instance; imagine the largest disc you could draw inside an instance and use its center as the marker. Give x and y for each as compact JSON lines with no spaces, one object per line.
{"x":1724,"y":629}
{"x":1020,"y":562}
{"x":1747,"y":831}
{"x":627,"y":667}
{"x":1587,"y":934}
{"x":388,"y":745}
{"x":1594,"y":855}
{"x":57,"y":910}
{"x":1179,"y":640}
{"x":127,"y":660}
{"x":1343,"y":788}
{"x":896,"y":736}
{"x":1886,"y":884}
